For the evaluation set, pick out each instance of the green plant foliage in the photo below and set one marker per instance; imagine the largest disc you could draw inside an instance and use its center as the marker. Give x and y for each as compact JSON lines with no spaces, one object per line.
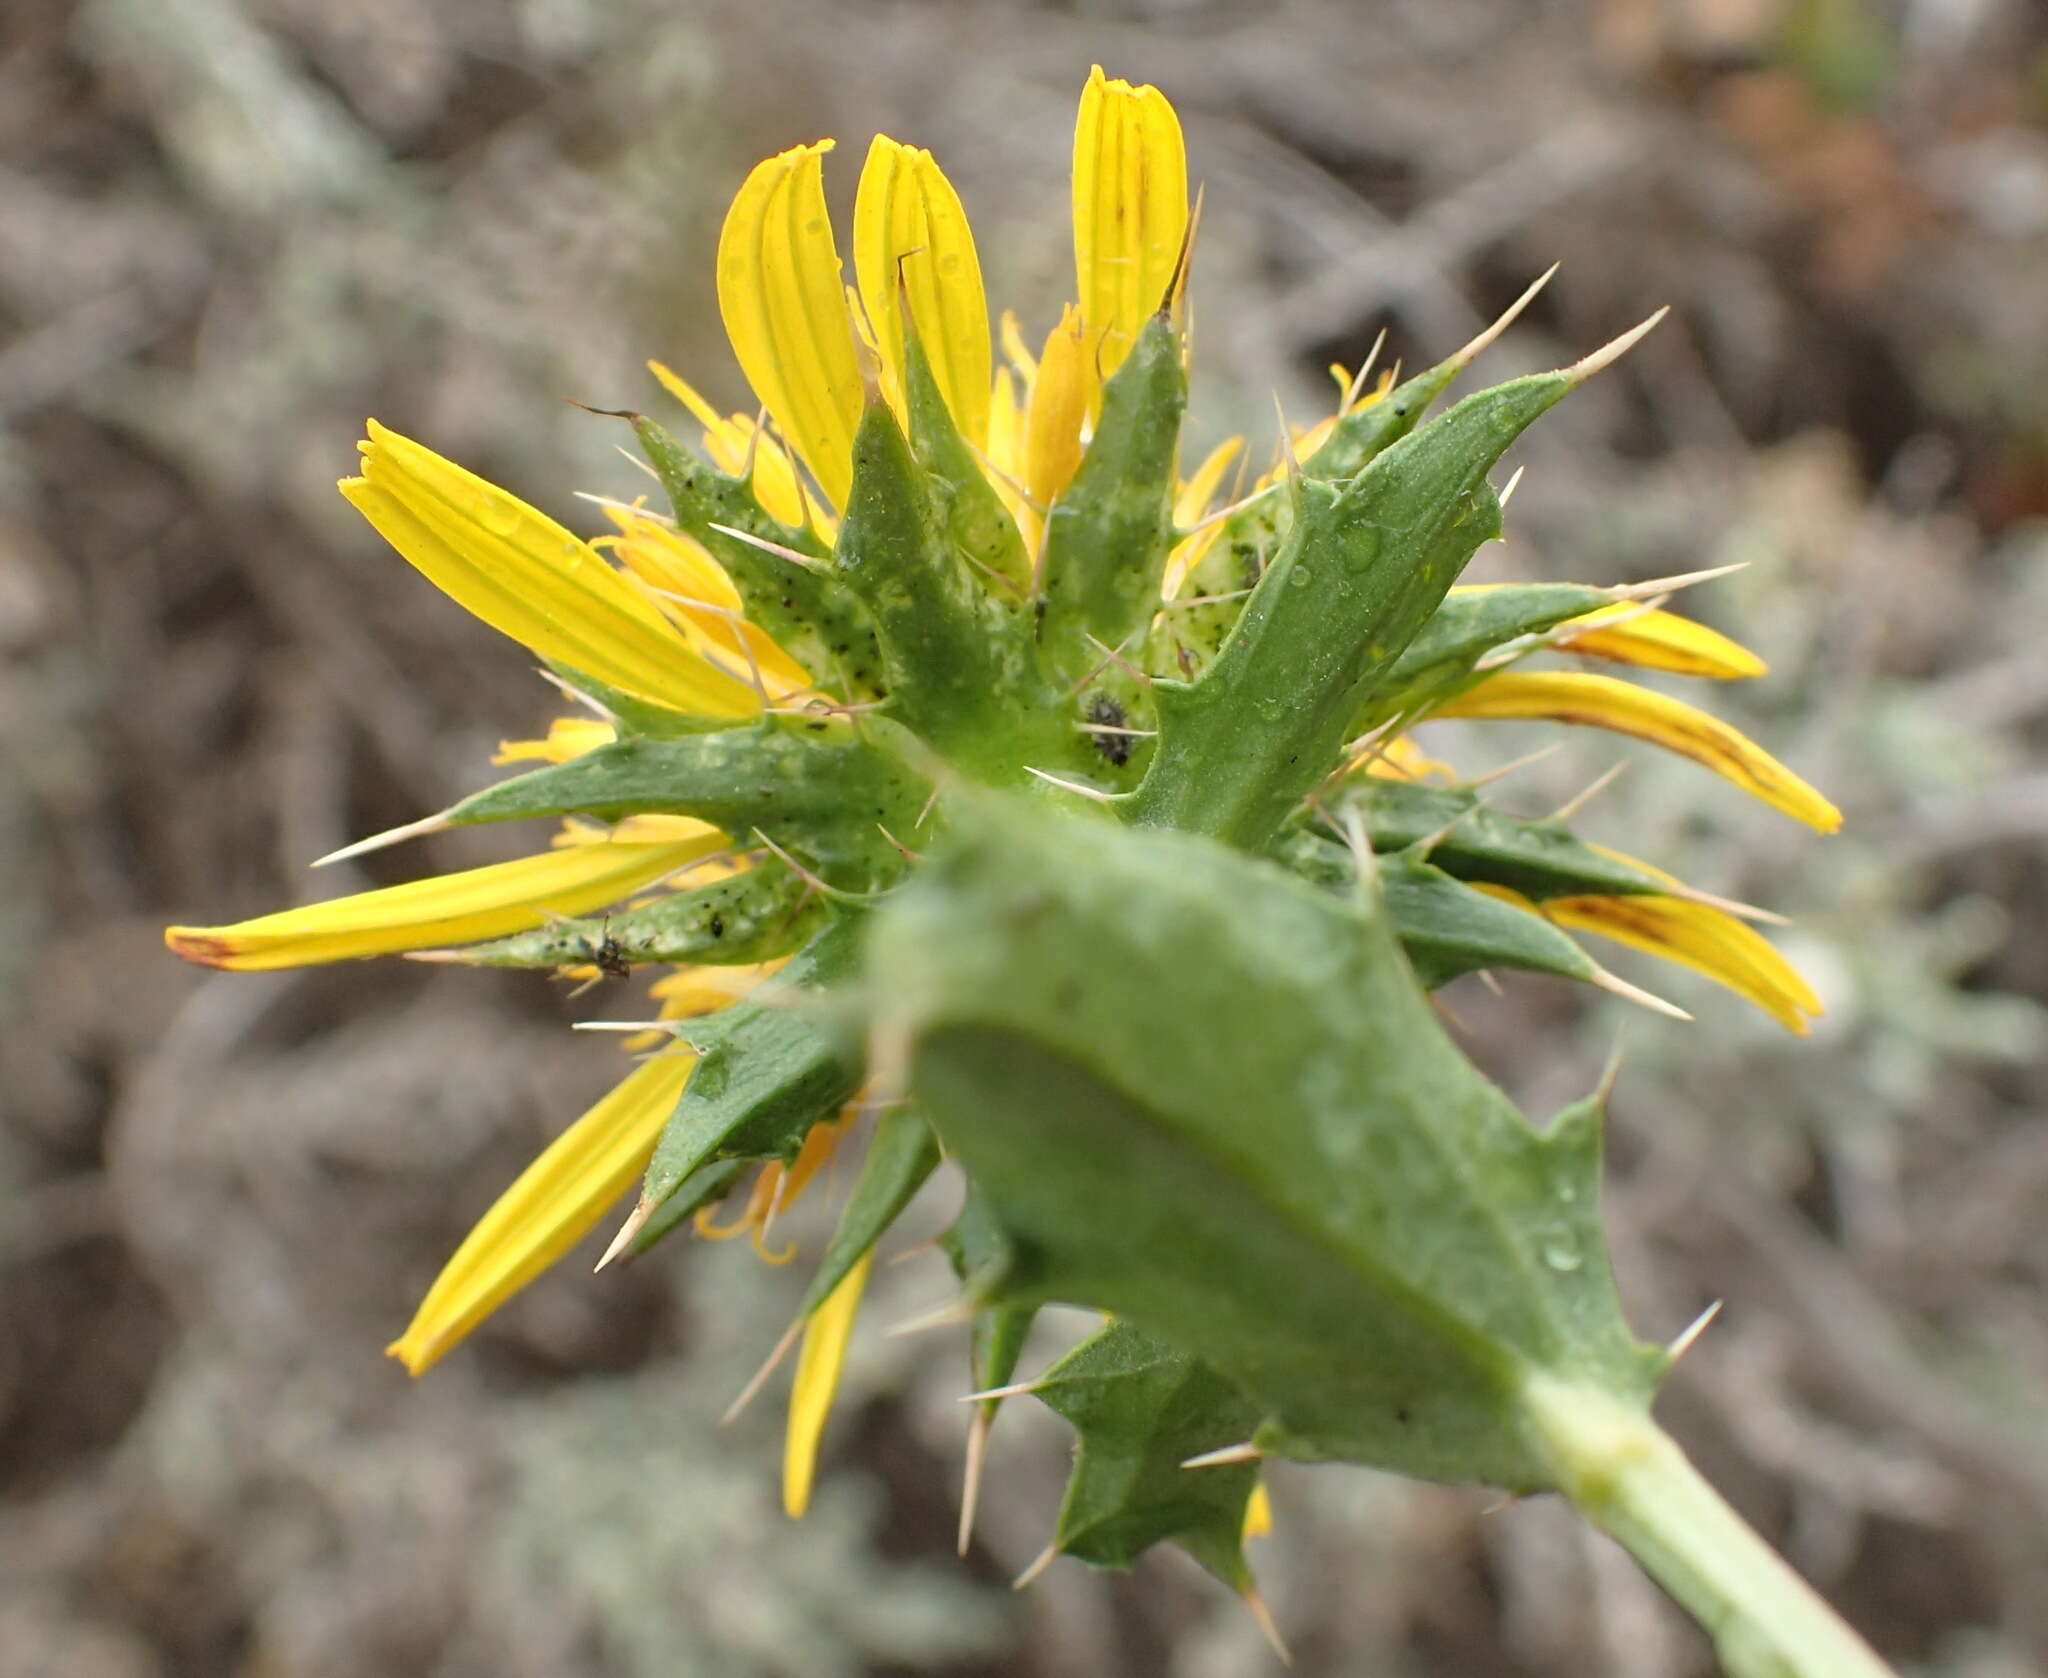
{"x":1213,"y":1101}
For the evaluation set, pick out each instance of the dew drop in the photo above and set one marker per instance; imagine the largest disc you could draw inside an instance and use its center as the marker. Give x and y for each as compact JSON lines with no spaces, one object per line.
{"x":1561,"y":1254}
{"x":1299,"y":578}
{"x":495,"y":513}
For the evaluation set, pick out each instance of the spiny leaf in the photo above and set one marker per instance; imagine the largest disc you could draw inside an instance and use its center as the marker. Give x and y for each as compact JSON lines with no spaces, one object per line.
{"x":1108,"y":535}
{"x":805,"y":610}
{"x":973,"y":513}
{"x":818,"y":787}
{"x":755,"y":915}
{"x":1142,"y":1409}
{"x":958,"y":658}
{"x":902,"y":1154}
{"x":1463,"y":630}
{"x":1362,"y":570}
{"x":768,"y":1069}
{"x":1186,"y":1081}
{"x":1474,"y":841}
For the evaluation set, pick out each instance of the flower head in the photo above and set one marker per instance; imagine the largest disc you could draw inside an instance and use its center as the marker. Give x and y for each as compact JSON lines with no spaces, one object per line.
{"x":925,"y":567}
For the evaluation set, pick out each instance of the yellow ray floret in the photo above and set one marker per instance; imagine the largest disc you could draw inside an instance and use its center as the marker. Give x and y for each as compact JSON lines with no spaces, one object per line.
{"x":694,"y":591}
{"x":1130,"y":210}
{"x":479,"y":903}
{"x":1702,"y":938}
{"x":912,"y":245}
{"x":1657,"y":640}
{"x":1258,"y":1514}
{"x":1603,"y":702}
{"x":737,"y":446}
{"x":780,"y":294}
{"x":1694,"y":935}
{"x":1059,"y":405}
{"x":818,"y":1366}
{"x":1190,"y":505}
{"x":529,"y":578}
{"x":551,"y":1207}
{"x":567,"y":737}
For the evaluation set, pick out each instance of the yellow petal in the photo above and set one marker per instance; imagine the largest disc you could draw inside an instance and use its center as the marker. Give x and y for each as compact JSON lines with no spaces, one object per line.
{"x":818,"y":1365}
{"x":1189,"y":506}
{"x":779,"y":292}
{"x":547,"y":1210}
{"x":694,"y":590}
{"x":479,"y":903}
{"x":909,"y":231}
{"x":567,"y":737}
{"x":529,"y":578}
{"x":1603,"y":702}
{"x":1657,"y":640}
{"x":1701,"y":937}
{"x":689,"y":992}
{"x":1694,"y":935}
{"x":1258,"y":1514}
{"x":1017,"y":352}
{"x":1130,"y":210}
{"x":1059,"y":404}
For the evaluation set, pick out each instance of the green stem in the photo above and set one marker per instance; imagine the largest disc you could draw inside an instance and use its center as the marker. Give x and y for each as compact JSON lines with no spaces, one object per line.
{"x":1630,"y":1479}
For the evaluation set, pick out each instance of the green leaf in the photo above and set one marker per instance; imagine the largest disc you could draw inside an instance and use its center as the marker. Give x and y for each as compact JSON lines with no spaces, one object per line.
{"x":808,"y":612}
{"x":973,"y":514}
{"x":1474,"y":841}
{"x":1439,"y":662}
{"x":980,"y":1252}
{"x":901,"y":1155}
{"x":1254,"y":534}
{"x":821,"y":789}
{"x":637,"y":717}
{"x":769,"y":1068}
{"x":1445,"y":928}
{"x":713,"y":1183}
{"x":755,"y":915}
{"x":1141,"y":1409}
{"x":1362,"y":570}
{"x":958,"y":659}
{"x":1108,"y":535}
{"x":1211,"y":1099}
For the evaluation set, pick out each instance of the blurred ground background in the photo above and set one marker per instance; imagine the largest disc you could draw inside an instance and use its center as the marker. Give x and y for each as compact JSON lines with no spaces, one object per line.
{"x":229,"y":229}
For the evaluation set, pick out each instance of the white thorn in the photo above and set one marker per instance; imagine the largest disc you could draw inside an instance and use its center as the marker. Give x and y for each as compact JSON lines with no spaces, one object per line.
{"x":1463,"y":358}
{"x":970,"y":1483}
{"x":1572,"y":806}
{"x":1016,"y":1389}
{"x":1262,"y":1616}
{"x":1608,"y":354}
{"x":768,"y":547}
{"x":1683,"y":1344}
{"x":450,"y":958}
{"x":624,"y":1025}
{"x":1635,"y":993}
{"x":954,"y":1311}
{"x":759,"y":1379}
{"x":636,"y":1221}
{"x":1508,"y":494}
{"x":1671,"y":585}
{"x":1244,"y":1452}
{"x":1507,"y":769}
{"x":1065,"y":785}
{"x":390,"y":836}
{"x":1044,"y":1559}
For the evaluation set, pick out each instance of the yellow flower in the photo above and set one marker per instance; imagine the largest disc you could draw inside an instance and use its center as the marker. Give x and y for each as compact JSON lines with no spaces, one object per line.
{"x":464,"y":908}
{"x":553,"y":1205}
{"x":1603,"y":702}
